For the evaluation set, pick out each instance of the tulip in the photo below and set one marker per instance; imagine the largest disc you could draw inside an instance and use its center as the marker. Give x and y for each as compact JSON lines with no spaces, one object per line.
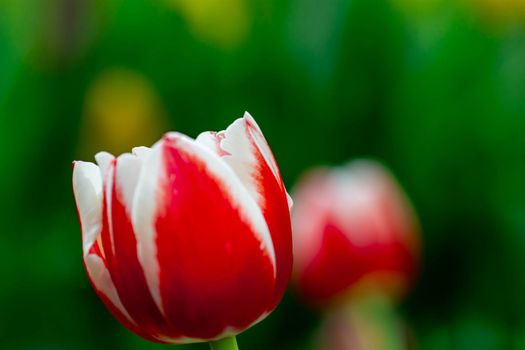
{"x":189,"y":240}
{"x":354,"y":233}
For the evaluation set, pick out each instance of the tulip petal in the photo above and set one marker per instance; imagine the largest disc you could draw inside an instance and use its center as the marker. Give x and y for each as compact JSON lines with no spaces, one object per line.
{"x":127,"y":174}
{"x":106,"y":163}
{"x":243,"y":147}
{"x":124,"y":266}
{"x":259,"y":140}
{"x":102,"y":282}
{"x":203,"y":241}
{"x":87,"y":188}
{"x":232,"y":187}
{"x":143,"y":212}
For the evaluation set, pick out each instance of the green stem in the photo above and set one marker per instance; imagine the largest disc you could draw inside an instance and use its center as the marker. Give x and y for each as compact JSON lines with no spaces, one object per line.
{"x":229,"y":343}
{"x":379,"y":317}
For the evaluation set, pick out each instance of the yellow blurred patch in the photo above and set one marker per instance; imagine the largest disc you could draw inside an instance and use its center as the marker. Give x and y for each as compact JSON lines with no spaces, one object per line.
{"x":122,"y":111}
{"x":225,"y":23}
{"x":499,"y":13}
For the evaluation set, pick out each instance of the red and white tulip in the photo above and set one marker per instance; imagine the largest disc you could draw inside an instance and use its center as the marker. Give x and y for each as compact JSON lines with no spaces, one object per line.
{"x":354,"y":230}
{"x":189,"y":240}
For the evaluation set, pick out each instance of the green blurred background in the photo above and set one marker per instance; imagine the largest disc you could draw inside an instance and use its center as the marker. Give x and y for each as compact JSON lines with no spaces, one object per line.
{"x":433,"y":88}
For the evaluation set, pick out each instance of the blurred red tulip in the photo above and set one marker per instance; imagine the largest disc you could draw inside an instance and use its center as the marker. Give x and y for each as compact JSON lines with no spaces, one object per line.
{"x":354,"y":230}
{"x":189,"y":240}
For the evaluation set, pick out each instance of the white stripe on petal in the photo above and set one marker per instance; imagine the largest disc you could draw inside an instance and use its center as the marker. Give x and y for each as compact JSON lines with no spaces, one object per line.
{"x":289,"y":200}
{"x":101,"y":279}
{"x":144,"y":210}
{"x":239,"y":152}
{"x":87,"y":187}
{"x":262,"y":144}
{"x":235,"y":188}
{"x":104,"y":160}
{"x":210,"y":140}
{"x":106,"y":164}
{"x":240,"y":146}
{"x":141,"y":151}
{"x":128,"y":171}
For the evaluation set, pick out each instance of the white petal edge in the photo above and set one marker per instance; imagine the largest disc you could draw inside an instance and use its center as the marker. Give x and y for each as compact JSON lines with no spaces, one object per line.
{"x":266,"y":152}
{"x":128,"y":169}
{"x":106,"y":163}
{"x":104,"y":160}
{"x":289,"y":200}
{"x":262,"y":144}
{"x":101,"y":279}
{"x":87,"y":188}
{"x":143,"y":210}
{"x":235,"y":146}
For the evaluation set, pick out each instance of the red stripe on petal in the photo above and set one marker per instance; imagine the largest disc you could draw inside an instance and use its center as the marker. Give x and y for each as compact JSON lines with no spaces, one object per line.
{"x":100,"y":279}
{"x":119,"y":248}
{"x":274,"y":205}
{"x":263,"y":147}
{"x":214,"y":274}
{"x":95,"y":249}
{"x":123,"y":319}
{"x":127,"y":272}
{"x":244,"y":148}
{"x":106,"y":240}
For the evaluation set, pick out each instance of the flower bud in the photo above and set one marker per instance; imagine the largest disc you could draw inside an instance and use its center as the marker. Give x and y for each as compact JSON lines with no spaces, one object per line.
{"x":189,"y":240}
{"x":354,"y":231}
